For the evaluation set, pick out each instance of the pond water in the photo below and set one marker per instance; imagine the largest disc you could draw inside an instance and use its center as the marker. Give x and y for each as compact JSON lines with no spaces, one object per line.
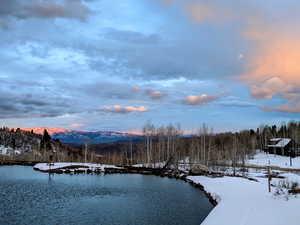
{"x":33,"y":198}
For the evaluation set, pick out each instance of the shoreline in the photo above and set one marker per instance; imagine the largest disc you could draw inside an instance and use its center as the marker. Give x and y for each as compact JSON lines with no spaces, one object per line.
{"x":243,"y":198}
{"x":228,"y":194}
{"x":121,"y":170}
{"x":135,"y":170}
{"x":18,"y":163}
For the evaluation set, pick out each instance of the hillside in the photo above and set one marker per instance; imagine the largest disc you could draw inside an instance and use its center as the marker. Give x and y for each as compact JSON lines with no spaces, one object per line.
{"x":25,"y":145}
{"x":77,"y":137}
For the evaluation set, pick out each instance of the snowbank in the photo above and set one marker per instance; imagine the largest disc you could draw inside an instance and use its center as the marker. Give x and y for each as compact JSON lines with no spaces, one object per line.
{"x":151,"y":165}
{"x":263,"y":159}
{"x":244,"y":202}
{"x":54,"y":166}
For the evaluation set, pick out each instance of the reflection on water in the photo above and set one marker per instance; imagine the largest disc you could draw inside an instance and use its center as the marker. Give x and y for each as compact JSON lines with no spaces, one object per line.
{"x":30,"y":197}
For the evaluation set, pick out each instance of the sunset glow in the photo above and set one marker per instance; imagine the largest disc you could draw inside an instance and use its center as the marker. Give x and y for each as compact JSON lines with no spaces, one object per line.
{"x":103,"y":65}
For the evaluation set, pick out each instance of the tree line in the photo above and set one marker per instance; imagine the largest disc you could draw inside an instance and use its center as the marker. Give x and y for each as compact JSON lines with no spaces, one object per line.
{"x":36,"y":147}
{"x":169,"y":144}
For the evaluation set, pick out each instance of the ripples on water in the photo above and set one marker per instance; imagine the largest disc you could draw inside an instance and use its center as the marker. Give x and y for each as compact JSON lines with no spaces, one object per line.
{"x":28,"y":197}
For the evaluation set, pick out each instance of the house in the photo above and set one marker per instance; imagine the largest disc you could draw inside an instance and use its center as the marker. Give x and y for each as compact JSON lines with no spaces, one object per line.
{"x":6,"y":151}
{"x":283,"y":146}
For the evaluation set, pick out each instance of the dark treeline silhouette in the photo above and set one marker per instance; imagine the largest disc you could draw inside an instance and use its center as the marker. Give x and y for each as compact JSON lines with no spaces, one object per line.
{"x":163,"y":143}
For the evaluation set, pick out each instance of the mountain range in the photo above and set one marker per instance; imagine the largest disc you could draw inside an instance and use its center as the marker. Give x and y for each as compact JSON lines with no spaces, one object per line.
{"x":79,"y":137}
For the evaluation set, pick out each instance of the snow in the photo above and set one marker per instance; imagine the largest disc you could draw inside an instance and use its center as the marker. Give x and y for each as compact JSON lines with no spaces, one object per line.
{"x":7,"y":151}
{"x":282,"y":142}
{"x":151,"y":165}
{"x":61,"y":165}
{"x":245,"y":202}
{"x":265,"y":159}
{"x":183,"y":167}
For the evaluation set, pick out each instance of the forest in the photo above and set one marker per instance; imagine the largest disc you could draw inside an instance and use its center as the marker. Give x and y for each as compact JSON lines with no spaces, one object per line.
{"x":159,"y":145}
{"x":164,"y":143}
{"x":28,"y":146}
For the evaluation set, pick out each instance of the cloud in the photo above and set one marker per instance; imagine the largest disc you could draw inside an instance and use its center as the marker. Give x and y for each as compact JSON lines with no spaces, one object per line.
{"x":200,"y":99}
{"x":107,"y":89}
{"x":76,"y":125}
{"x":274,"y":68}
{"x":270,"y":87}
{"x":124,"y":109}
{"x":238,"y":103}
{"x":88,"y":65}
{"x":292,"y":96}
{"x":136,"y":88}
{"x":208,"y":11}
{"x":17,"y":102}
{"x":165,"y":58}
{"x":73,"y":9}
{"x":154,"y":94}
{"x":131,"y":37}
{"x":219,"y":12}
{"x":11,"y":107}
{"x":270,"y":60}
{"x":292,"y":107}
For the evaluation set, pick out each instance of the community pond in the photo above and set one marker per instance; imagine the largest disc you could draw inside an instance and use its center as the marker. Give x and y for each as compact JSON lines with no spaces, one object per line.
{"x":28,"y":197}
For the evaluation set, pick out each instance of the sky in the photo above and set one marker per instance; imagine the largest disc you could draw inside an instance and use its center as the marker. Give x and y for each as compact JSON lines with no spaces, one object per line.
{"x":113,"y":65}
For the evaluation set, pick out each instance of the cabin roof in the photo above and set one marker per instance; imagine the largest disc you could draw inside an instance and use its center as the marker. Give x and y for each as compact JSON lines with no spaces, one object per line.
{"x":280,"y":142}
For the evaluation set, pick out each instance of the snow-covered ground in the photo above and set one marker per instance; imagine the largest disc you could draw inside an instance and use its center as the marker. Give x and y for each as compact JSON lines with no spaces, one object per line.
{"x":264,"y":159}
{"x":91,"y":166}
{"x":244,"y":202}
{"x":8,"y":151}
{"x":151,"y":165}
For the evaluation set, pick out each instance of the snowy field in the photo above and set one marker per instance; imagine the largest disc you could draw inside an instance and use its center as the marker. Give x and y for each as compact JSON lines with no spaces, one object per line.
{"x":244,"y":202}
{"x":265,"y":159}
{"x":91,"y":166}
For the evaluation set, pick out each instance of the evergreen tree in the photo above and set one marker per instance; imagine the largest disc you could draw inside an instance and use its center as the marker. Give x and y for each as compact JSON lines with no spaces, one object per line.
{"x":46,"y":141}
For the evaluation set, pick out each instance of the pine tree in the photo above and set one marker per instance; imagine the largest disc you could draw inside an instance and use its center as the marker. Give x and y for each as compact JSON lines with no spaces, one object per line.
{"x":46,"y":141}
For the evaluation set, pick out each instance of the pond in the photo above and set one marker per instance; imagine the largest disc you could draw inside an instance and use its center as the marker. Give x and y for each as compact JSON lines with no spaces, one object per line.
{"x":35,"y":198}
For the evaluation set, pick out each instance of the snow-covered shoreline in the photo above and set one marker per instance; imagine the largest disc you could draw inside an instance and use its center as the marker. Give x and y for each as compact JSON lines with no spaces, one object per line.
{"x":241,"y":201}
{"x":245,"y":202}
{"x":46,"y":167}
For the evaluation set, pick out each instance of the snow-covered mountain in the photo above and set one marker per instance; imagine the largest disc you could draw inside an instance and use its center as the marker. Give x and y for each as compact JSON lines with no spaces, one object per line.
{"x":79,"y":137}
{"x":51,"y":130}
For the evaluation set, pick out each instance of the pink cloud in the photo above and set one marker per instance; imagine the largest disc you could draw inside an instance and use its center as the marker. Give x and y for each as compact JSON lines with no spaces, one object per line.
{"x":124,"y":109}
{"x":76,"y":125}
{"x":292,"y":107}
{"x":208,"y":11}
{"x":154,"y":94}
{"x":200,"y":99}
{"x":273,"y":66}
{"x":292,"y":96}
{"x":270,"y":87}
{"x":136,"y":88}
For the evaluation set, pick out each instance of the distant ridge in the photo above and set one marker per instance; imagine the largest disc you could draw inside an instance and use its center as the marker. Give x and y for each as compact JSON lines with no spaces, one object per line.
{"x":51,"y":130}
{"x":79,"y":137}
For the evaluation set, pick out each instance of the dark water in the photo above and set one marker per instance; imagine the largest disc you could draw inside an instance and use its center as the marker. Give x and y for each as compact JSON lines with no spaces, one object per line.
{"x":33,"y":198}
